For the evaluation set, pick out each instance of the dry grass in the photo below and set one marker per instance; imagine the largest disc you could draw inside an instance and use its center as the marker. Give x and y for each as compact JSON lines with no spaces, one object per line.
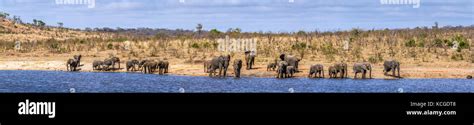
{"x":48,"y":48}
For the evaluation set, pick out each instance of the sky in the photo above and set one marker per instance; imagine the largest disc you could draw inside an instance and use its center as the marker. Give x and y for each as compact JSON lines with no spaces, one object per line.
{"x":249,"y":15}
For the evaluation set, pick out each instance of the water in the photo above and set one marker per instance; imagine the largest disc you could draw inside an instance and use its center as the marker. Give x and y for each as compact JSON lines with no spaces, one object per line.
{"x":87,"y":82}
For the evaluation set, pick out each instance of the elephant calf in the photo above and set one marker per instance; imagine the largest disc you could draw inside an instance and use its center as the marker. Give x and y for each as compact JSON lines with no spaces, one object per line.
{"x":272,"y":66}
{"x":131,"y":64}
{"x":97,"y":65}
{"x":391,"y":65}
{"x":362,"y":68}
{"x":237,"y":67}
{"x":342,"y":69}
{"x":315,"y":70}
{"x":281,"y":70}
{"x":290,"y":70}
{"x":332,"y":72}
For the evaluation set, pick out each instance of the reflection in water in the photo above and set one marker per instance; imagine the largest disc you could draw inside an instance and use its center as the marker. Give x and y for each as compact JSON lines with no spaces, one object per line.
{"x":86,"y":82}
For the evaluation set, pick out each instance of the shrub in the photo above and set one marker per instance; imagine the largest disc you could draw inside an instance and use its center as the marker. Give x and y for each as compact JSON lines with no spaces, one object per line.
{"x":457,"y":57}
{"x":110,"y":46}
{"x":329,"y":51}
{"x":410,"y":43}
{"x":195,"y":46}
{"x":463,"y":44}
{"x":375,"y":59}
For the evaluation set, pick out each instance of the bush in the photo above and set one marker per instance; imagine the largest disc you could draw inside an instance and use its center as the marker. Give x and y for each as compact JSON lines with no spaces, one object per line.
{"x":463,"y":44}
{"x":110,"y":46}
{"x":329,"y":51}
{"x":375,"y":59}
{"x":195,"y":46}
{"x":438,"y":43}
{"x":410,"y":43}
{"x":457,"y":57}
{"x":54,"y":45}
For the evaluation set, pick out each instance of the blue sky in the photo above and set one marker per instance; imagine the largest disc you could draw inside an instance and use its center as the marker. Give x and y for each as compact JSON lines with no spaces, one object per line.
{"x":249,"y":15}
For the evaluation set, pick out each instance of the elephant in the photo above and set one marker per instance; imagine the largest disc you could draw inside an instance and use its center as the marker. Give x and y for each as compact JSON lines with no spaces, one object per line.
{"x":162,"y":66}
{"x":72,"y":64}
{"x":166,"y":65}
{"x":221,"y":63}
{"x":97,"y":65}
{"x":333,"y":72}
{"x":141,"y":64}
{"x":111,"y":62}
{"x":291,"y":60}
{"x":290,"y":71}
{"x":315,"y":70}
{"x":149,"y":67}
{"x":237,"y":67}
{"x":342,"y":69}
{"x":131,"y":64}
{"x":78,"y":57}
{"x":281,"y":70}
{"x":391,"y":65}
{"x":362,"y":68}
{"x":249,"y":59}
{"x":272,"y":66}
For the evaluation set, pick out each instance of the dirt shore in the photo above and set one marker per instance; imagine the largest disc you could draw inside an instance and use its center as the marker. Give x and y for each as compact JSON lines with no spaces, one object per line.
{"x":180,"y":67}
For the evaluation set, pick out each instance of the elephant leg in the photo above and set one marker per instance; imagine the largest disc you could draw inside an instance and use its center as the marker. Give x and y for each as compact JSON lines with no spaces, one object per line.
{"x":393,"y":72}
{"x":363,"y":75}
{"x":220,"y":71}
{"x":398,"y":70}
{"x":225,"y":72}
{"x":370,"y":74}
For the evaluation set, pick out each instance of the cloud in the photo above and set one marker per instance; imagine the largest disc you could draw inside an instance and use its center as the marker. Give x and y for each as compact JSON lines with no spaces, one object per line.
{"x":250,"y":15}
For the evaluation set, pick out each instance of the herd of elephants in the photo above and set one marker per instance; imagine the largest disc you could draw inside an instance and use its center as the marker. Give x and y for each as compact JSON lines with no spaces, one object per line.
{"x":285,"y":66}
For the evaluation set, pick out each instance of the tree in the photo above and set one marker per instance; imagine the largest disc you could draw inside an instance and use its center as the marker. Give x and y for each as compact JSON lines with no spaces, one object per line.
{"x":35,"y":22}
{"x":435,"y":25}
{"x":60,"y":24}
{"x":234,"y":32}
{"x":17,"y":19}
{"x":41,"y":23}
{"x":214,"y":33}
{"x":4,"y":15}
{"x":199,"y":28}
